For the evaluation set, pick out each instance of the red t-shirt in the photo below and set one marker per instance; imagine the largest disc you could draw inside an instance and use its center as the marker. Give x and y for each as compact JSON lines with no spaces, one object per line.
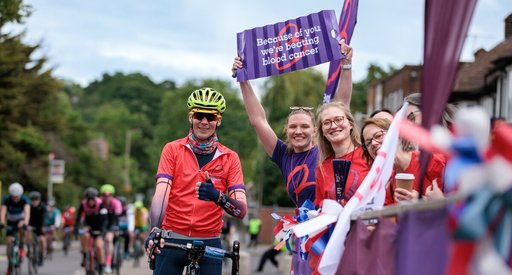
{"x":325,"y":187}
{"x":185,"y":213}
{"x":435,"y":170}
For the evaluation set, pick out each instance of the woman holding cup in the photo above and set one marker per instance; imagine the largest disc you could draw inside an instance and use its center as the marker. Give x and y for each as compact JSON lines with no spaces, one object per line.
{"x":406,"y":166}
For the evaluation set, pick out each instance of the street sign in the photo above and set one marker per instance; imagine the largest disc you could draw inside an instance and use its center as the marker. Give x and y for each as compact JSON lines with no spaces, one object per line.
{"x":57,"y":170}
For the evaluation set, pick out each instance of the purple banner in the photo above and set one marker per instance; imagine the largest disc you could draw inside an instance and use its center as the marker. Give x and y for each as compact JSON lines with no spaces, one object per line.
{"x":347,"y":24}
{"x":446,"y":25}
{"x":288,"y":46}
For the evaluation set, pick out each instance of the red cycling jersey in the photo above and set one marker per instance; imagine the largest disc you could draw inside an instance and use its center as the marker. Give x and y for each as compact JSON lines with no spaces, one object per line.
{"x":185,"y":213}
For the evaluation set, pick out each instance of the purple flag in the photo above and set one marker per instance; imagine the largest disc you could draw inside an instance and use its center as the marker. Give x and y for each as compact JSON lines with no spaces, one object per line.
{"x":446,"y":25}
{"x":346,"y":26}
{"x":288,"y":46}
{"x":423,"y":242}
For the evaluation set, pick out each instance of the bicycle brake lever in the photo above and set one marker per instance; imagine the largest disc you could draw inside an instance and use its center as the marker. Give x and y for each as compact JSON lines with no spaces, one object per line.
{"x":156,"y":241}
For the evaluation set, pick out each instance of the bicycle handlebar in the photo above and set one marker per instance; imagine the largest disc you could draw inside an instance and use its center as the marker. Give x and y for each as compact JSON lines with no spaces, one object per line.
{"x":199,"y":249}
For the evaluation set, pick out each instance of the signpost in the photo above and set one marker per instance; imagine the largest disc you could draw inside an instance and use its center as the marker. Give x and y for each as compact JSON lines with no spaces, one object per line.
{"x":56,"y":169}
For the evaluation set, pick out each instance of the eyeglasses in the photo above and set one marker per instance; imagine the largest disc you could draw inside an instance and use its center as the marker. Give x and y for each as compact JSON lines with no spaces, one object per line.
{"x":208,"y":116}
{"x":378,"y":137}
{"x":327,"y":124}
{"x":301,"y":108}
{"x":411,"y":116}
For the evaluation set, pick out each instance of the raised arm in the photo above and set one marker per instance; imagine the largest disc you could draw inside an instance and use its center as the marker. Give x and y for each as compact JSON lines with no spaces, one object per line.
{"x":344,"y":88}
{"x":256,"y":114}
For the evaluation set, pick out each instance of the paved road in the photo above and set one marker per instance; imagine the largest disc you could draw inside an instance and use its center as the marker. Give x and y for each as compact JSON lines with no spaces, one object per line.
{"x":70,"y":264}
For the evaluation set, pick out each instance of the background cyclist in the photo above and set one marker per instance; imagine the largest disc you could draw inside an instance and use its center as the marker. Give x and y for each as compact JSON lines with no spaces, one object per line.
{"x":37,"y":214}
{"x":114,"y":209}
{"x":92,"y":219}
{"x":68,"y":221}
{"x":52,"y":222}
{"x":126,"y":225}
{"x":193,"y":176}
{"x":141,"y":216}
{"x":16,"y":211}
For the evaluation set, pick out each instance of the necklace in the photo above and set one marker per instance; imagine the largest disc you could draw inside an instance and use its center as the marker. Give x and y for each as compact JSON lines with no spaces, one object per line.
{"x":303,"y":172}
{"x":353,"y":151}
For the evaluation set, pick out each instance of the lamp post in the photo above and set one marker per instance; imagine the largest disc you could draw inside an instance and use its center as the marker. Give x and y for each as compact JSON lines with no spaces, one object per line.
{"x":127,"y":151}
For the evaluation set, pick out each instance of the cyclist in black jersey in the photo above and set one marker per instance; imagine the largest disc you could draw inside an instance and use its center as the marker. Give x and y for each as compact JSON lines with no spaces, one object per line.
{"x":16,"y":211}
{"x":37,"y":217}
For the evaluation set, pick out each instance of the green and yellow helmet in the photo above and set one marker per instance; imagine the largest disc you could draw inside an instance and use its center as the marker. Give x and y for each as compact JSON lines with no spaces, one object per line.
{"x":206,"y":100}
{"x":107,"y":189}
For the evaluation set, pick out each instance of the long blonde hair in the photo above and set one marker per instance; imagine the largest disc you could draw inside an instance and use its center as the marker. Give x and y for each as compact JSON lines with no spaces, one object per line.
{"x":324,"y":146}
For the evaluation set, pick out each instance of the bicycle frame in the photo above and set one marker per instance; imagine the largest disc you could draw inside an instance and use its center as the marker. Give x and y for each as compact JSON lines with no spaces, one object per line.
{"x":90,"y":260}
{"x":196,"y":250}
{"x":15,"y":251}
{"x":33,"y":250}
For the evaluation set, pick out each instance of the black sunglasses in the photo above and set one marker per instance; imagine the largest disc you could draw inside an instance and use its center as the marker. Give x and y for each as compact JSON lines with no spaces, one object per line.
{"x":208,"y":116}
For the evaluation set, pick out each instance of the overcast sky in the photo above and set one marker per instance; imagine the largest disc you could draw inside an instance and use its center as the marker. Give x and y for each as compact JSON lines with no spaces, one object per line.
{"x":182,"y":40}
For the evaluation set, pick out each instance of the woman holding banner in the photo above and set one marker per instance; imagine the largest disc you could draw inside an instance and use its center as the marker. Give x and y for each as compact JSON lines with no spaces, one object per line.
{"x":297,"y":156}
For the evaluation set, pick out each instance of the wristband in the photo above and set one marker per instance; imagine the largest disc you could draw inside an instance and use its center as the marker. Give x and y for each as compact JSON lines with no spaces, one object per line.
{"x":346,"y":66}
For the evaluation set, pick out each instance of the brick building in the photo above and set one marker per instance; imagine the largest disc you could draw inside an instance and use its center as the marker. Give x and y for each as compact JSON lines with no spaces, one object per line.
{"x":487,"y":81}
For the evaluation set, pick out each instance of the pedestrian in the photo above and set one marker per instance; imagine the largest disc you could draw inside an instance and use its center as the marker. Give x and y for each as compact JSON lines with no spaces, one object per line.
{"x":254,"y":230}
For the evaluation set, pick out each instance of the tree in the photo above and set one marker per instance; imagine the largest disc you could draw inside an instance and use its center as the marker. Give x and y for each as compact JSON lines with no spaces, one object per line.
{"x":13,"y":11}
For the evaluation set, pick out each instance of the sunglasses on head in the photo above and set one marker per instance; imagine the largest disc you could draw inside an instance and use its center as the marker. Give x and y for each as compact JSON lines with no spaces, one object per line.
{"x":208,"y":116}
{"x":301,"y":108}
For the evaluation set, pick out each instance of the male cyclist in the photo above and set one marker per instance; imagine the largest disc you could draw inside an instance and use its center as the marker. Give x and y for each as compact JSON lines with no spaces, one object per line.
{"x":114,"y":209}
{"x":193,"y":177}
{"x":37,"y":214}
{"x":16,"y":210}
{"x":68,"y":222}
{"x":92,"y":218}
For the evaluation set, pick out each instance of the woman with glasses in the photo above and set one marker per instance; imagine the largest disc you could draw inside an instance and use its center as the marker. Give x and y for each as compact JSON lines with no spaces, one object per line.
{"x":372,"y":135}
{"x":338,"y":139}
{"x":296,"y":156}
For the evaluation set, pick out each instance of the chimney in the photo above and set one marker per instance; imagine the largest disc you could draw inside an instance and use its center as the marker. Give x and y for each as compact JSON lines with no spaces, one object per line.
{"x":508,"y":26}
{"x":479,"y":53}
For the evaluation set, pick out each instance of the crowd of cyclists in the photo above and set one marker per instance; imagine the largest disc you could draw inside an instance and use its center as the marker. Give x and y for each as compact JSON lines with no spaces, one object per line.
{"x":101,"y":217}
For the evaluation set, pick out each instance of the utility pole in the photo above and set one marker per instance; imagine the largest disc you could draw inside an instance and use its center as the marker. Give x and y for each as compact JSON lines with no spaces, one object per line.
{"x":127,"y":149}
{"x":49,"y":197}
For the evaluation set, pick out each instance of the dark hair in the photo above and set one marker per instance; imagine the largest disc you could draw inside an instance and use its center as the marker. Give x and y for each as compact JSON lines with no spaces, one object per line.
{"x":384,"y":110}
{"x":413,"y":99}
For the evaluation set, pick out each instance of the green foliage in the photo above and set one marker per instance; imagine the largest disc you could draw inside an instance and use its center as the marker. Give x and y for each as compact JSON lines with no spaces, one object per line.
{"x":13,"y":11}
{"x":135,"y":116}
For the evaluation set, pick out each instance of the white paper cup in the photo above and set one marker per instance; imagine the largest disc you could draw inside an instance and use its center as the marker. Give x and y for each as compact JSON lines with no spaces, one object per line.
{"x":404,"y":180}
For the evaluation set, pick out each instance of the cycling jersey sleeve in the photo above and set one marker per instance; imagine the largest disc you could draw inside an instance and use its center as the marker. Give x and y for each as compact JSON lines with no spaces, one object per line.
{"x":159,"y":202}
{"x":233,"y":207}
